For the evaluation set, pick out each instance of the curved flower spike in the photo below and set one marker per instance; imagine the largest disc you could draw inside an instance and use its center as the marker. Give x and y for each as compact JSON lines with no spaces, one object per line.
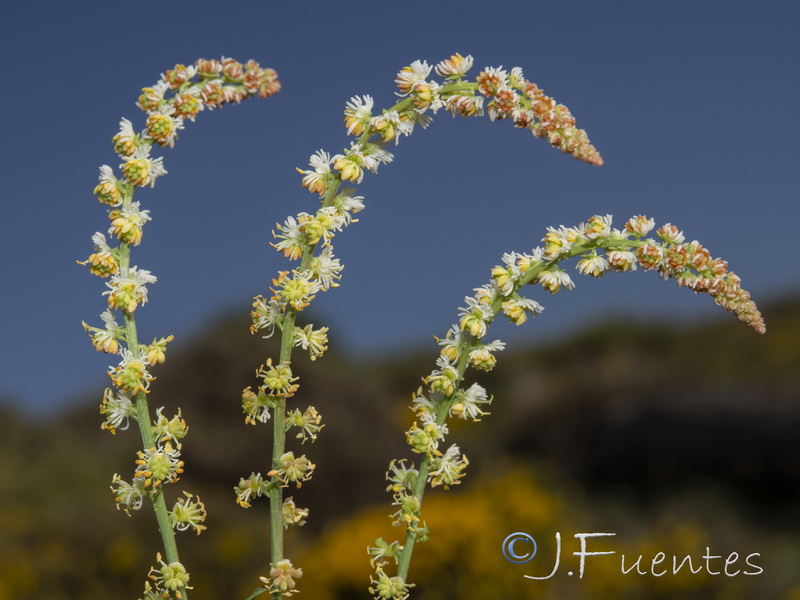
{"x":601,"y":249}
{"x":308,"y":239}
{"x":178,"y":97}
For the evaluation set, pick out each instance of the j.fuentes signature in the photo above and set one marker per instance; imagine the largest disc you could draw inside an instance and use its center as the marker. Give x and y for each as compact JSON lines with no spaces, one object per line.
{"x":521,"y":547}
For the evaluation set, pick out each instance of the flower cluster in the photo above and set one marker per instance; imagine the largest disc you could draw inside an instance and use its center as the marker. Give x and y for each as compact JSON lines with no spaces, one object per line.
{"x":188,"y":514}
{"x":282,"y":577}
{"x":388,"y":588}
{"x":292,"y":470}
{"x":504,"y":94}
{"x":179,"y":96}
{"x":157,"y":465}
{"x":250,"y":487}
{"x":170,"y":581}
{"x":181,"y":93}
{"x":601,"y":248}
{"x":308,"y":239}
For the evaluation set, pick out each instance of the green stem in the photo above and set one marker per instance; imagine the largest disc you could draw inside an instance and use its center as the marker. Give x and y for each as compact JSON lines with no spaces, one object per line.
{"x":278,"y":447}
{"x":407,"y":102}
{"x":276,"y":492}
{"x":279,"y":420}
{"x":418,"y":489}
{"x":146,"y":428}
{"x":287,"y":339}
{"x":460,"y":86}
{"x":443,"y":407}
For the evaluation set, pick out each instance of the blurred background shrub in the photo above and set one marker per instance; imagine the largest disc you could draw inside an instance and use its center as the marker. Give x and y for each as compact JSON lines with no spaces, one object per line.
{"x":674,"y":439}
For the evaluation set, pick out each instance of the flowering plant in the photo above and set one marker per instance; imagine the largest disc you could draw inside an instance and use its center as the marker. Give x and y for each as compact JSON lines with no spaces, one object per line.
{"x":307,"y":240}
{"x":178,"y":96}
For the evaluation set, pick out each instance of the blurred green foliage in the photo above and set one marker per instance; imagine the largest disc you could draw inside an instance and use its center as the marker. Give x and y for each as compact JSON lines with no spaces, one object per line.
{"x":675,"y":439}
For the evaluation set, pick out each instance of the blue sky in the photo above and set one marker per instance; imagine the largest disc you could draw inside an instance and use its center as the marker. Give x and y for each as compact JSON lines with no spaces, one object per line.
{"x":693,"y":106}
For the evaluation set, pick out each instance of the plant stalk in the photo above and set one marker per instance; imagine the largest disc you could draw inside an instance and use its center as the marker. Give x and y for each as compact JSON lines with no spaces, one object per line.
{"x":146,"y":429}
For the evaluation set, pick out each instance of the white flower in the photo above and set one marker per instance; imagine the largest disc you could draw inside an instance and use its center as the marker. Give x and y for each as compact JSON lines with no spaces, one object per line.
{"x":345,"y":205}
{"x":357,"y":113}
{"x":133,"y":215}
{"x":266,"y":315}
{"x":421,"y":405}
{"x":126,"y":129}
{"x":351,"y":162}
{"x":290,"y":238}
{"x":495,"y":346}
{"x":474,"y":306}
{"x":486,"y":294}
{"x":455,"y":66}
{"x":313,"y":340}
{"x":141,"y":276}
{"x":482,"y":357}
{"x":127,"y":288}
{"x":165,"y":114}
{"x":390,"y":121}
{"x":505,"y":278}
{"x":196,"y":93}
{"x":671,"y":234}
{"x":107,"y":175}
{"x":474,"y":317}
{"x":444,"y":364}
{"x":597,"y":227}
{"x":374,"y":156}
{"x":359,"y":106}
{"x":510,"y":258}
{"x":125,"y":140}
{"x":408,"y":76}
{"x":536,"y":255}
{"x":320,"y":162}
{"x":105,"y":340}
{"x":129,"y":496}
{"x":468,"y":106}
{"x":112,"y":331}
{"x":159,"y":89}
{"x":622,"y":260}
{"x":142,"y":170}
{"x":169,"y":430}
{"x":107,"y":190}
{"x":100,"y":244}
{"x":530,"y":305}
{"x":338,"y":222}
{"x":110,"y":321}
{"x":326,"y":268}
{"x":516,"y":78}
{"x":451,"y":343}
{"x":558,"y":242}
{"x":448,"y":469}
{"x":400,"y":476}
{"x":248,"y":488}
{"x":468,"y":404}
{"x":492,"y":79}
{"x":231,"y":94}
{"x":424,"y":120}
{"x":554,"y":280}
{"x":129,"y":357}
{"x":640,"y":225}
{"x":159,"y":464}
{"x":352,"y":204}
{"x":517,"y":309}
{"x":432,"y":428}
{"x":117,"y":410}
{"x":594,"y":265}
